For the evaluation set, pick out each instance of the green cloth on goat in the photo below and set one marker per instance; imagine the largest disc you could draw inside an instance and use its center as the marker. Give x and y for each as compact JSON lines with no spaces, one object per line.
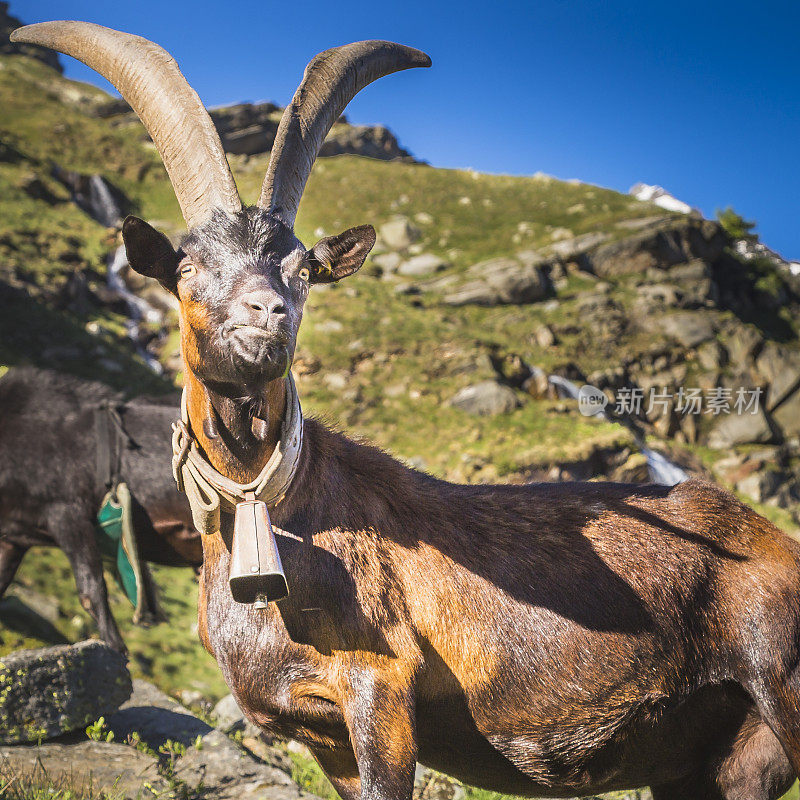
{"x":115,"y":537}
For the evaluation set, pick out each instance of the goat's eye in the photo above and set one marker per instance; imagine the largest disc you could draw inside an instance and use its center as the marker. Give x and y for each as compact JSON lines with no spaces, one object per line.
{"x":187,"y":269}
{"x":304,"y":273}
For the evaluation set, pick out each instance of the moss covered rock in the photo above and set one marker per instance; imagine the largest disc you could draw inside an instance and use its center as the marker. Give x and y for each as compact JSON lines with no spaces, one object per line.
{"x":54,"y":690}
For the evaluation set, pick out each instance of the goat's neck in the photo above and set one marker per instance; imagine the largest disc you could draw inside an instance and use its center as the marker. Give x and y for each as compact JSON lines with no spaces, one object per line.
{"x":223,"y":426}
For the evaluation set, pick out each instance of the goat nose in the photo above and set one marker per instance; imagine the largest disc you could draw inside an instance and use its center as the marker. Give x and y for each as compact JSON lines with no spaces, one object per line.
{"x":266,"y":304}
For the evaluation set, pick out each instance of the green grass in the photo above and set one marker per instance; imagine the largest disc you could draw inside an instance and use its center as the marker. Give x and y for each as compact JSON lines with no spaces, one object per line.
{"x":37,"y":784}
{"x":307,"y":774}
{"x":402,"y":357}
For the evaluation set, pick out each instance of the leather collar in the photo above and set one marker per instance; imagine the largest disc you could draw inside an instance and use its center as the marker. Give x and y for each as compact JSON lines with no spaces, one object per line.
{"x":210,"y":492}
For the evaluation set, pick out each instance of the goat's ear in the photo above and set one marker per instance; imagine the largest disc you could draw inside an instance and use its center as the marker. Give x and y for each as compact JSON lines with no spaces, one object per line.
{"x":150,"y":252}
{"x":336,"y":257}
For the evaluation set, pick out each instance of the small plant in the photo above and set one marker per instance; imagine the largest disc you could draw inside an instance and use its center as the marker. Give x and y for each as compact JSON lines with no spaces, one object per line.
{"x":97,"y":731}
{"x":736,"y":226}
{"x":135,"y":740}
{"x":173,"y":751}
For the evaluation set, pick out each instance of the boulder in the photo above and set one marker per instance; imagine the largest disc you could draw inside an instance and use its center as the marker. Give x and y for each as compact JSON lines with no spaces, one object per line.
{"x":538,"y":385}
{"x":250,"y":140}
{"x":761,"y":485}
{"x":111,"y":769}
{"x":712,"y":355}
{"x":388,"y":262}
{"x":250,"y":129}
{"x":369,"y":141}
{"x":423,"y":264}
{"x":696,"y":283}
{"x":222,"y":771}
{"x":658,"y":295}
{"x":154,"y":717}
{"x":734,"y":429}
{"x":544,"y":336}
{"x":201,"y":761}
{"x":505,"y":281}
{"x":46,"y":607}
{"x":54,"y":690}
{"x":634,"y":470}
{"x":227,"y":715}
{"x":780,"y":368}
{"x":336,"y":381}
{"x":787,"y":415}
{"x":661,"y":246}
{"x":742,"y":343}
{"x":570,"y":249}
{"x":398,"y":234}
{"x":689,"y":328}
{"x":486,"y":399}
{"x":218,"y":767}
{"x":474,"y":293}
{"x":329,"y":326}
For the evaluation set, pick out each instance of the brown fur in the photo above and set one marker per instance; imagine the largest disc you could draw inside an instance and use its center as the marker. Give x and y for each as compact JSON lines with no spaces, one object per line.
{"x":546,"y":639}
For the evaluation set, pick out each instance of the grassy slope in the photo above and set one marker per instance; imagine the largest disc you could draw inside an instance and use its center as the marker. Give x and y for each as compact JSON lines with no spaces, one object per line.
{"x":422,"y":351}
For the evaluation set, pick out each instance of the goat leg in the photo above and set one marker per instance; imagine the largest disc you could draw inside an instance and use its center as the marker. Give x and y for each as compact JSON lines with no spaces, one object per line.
{"x":154,"y":613}
{"x":11,"y":556}
{"x":76,"y":536}
{"x":341,"y":769}
{"x":380,"y":716}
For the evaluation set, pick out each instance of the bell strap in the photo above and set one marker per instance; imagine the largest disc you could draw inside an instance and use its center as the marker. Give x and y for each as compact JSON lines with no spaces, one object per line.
{"x":210,"y":492}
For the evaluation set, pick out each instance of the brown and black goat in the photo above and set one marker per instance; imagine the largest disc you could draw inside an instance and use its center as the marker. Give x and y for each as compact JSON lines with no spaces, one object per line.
{"x":545,"y":639}
{"x":50,"y":489}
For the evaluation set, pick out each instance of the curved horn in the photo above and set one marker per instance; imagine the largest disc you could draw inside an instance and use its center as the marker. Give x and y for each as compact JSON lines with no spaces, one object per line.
{"x":330,"y":82}
{"x":147,"y":77}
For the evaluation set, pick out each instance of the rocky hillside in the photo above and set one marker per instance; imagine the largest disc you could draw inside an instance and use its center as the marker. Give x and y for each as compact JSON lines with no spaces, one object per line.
{"x":249,"y":129}
{"x":487,"y":302}
{"x":8,"y":23}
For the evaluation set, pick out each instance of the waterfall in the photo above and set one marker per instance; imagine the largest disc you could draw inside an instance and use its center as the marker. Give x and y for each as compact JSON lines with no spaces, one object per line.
{"x":103,"y":205}
{"x":139,"y":310}
{"x":659,"y":467}
{"x":662,"y":470}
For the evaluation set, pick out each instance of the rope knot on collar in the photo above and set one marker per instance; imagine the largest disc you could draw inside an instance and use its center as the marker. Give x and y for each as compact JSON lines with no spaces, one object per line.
{"x":209,"y":492}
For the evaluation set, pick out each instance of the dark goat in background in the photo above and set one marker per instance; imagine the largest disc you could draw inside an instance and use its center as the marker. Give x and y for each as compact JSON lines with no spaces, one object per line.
{"x":50,"y":491}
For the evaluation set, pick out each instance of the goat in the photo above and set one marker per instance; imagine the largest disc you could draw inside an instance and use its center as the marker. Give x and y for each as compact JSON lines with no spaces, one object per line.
{"x":50,"y":491}
{"x":548,"y":639}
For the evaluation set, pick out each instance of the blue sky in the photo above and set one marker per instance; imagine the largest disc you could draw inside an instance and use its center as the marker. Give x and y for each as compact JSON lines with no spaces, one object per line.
{"x":702,"y":98}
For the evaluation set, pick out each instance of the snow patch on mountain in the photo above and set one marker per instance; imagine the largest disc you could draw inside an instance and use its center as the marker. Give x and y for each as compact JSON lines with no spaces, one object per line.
{"x":660,"y":197}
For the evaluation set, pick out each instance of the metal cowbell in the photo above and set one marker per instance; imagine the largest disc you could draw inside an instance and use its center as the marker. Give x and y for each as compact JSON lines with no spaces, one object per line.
{"x":256,"y":574}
